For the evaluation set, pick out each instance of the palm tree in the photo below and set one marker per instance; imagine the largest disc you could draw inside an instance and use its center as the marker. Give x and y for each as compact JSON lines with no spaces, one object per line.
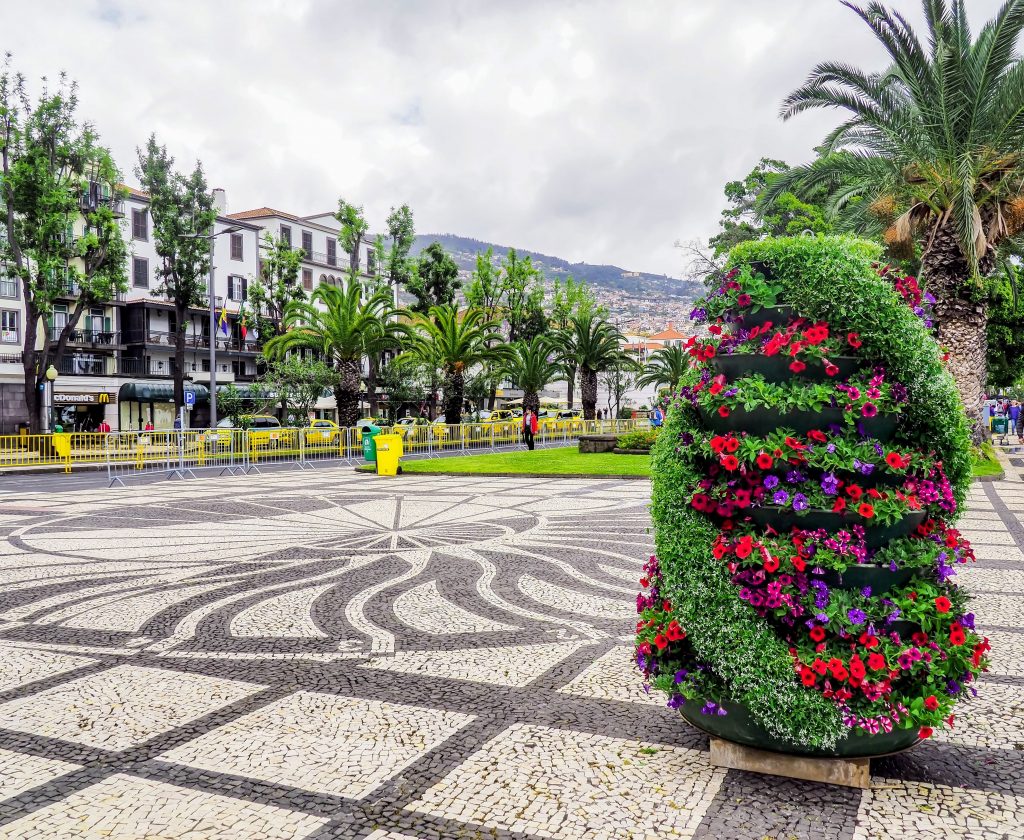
{"x":532,"y":366}
{"x":592,"y":344}
{"x":934,"y":147}
{"x":665,"y":367}
{"x":453,"y":343}
{"x":342,"y":329}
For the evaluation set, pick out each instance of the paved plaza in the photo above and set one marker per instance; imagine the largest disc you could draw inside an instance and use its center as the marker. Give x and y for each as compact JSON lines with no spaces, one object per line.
{"x":328,"y":655}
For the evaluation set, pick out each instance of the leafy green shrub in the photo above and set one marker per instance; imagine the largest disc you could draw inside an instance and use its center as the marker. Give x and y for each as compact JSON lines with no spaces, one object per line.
{"x":640,"y":439}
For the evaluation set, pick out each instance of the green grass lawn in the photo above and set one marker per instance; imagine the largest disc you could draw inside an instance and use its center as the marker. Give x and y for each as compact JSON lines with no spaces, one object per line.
{"x":985,"y":462}
{"x":560,"y":461}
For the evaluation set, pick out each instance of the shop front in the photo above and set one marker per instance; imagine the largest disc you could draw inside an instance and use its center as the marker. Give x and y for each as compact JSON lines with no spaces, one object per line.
{"x":145,"y":403}
{"x":82,"y":412}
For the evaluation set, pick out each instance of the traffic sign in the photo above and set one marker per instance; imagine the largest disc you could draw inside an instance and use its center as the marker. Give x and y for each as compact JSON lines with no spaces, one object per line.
{"x":190,"y":398}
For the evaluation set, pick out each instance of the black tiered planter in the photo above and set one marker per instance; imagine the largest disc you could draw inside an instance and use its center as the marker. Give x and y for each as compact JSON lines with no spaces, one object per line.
{"x":777,"y":316}
{"x":775,"y":369}
{"x":740,"y":728}
{"x":762,"y":421}
{"x":785,"y":519}
{"x":881,"y":579}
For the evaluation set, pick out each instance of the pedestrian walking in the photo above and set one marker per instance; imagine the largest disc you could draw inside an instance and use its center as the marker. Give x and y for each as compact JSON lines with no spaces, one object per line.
{"x":529,"y":427}
{"x":149,"y":425}
{"x":104,"y":427}
{"x":657,"y":417}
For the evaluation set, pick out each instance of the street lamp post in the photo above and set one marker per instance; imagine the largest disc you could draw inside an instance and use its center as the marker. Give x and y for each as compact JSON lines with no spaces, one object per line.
{"x":213,"y":318}
{"x":51,"y":375}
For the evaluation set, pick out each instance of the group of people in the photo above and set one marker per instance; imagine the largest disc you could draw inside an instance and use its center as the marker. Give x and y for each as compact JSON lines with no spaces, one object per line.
{"x":1012,"y":411}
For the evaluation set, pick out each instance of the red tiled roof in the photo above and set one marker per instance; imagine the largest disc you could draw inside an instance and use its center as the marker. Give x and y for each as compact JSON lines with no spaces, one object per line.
{"x":262,"y":213}
{"x":133,"y":191}
{"x":670,"y":333}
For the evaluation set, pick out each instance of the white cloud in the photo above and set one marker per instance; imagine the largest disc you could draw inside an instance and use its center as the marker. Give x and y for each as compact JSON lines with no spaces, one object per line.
{"x":600,"y":131}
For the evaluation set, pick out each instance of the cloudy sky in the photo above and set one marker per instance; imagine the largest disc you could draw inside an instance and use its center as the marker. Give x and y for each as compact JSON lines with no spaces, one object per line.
{"x":595,"y":131}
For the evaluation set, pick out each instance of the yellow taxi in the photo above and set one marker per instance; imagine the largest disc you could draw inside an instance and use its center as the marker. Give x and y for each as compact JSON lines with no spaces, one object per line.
{"x":322,"y":433}
{"x":264,"y":432}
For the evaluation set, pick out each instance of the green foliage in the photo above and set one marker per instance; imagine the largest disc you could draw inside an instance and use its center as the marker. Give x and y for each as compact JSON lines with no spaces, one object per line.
{"x":556,"y":461}
{"x":1005,"y":331}
{"x":590,"y":344}
{"x":435,"y":280}
{"x":784,"y":215}
{"x":531,"y":366}
{"x":297,"y":383}
{"x":233,"y":405}
{"x":640,"y":439}
{"x":55,"y":176}
{"x":354,"y":228}
{"x":523,"y":296}
{"x":665,"y":367}
{"x":485,"y":287}
{"x":570,"y":297}
{"x":394,"y":257}
{"x":855,"y":296}
{"x":276,"y":287}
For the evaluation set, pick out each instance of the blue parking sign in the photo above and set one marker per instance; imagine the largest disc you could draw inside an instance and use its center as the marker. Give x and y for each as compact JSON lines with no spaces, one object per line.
{"x":190,"y":398}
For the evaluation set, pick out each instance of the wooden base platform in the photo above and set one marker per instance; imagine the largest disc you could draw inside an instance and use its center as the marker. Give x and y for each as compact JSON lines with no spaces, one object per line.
{"x":849,"y":772}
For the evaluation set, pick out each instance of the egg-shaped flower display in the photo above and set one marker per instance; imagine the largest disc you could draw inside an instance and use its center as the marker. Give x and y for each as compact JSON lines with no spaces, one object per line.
{"x":803,"y":598}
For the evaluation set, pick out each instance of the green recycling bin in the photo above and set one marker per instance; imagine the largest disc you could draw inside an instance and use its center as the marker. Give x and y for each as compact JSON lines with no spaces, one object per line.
{"x":370,"y":433}
{"x":999,"y":425}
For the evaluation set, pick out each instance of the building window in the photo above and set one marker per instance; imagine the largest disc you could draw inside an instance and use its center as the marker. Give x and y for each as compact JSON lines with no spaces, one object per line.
{"x":332,"y":251}
{"x":237,"y":287}
{"x":371,"y":262}
{"x":140,"y":272}
{"x":307,"y":244}
{"x":9,"y":326}
{"x":8,"y":286}
{"x":140,"y":225}
{"x":307,"y":279}
{"x":236,"y":246}
{"x":286,"y":235}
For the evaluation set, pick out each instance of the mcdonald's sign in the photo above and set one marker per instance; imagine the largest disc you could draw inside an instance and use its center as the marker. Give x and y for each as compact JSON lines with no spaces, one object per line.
{"x":103,"y":397}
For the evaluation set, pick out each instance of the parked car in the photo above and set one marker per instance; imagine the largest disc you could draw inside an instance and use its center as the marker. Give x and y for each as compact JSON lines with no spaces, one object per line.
{"x":264,"y":432}
{"x":323,"y":433}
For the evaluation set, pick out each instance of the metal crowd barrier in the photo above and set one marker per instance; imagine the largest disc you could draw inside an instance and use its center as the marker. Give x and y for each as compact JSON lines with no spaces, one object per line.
{"x":185,"y":453}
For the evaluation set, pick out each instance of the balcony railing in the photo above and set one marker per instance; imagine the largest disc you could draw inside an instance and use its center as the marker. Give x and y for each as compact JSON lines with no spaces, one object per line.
{"x":91,"y":338}
{"x":11,"y":358}
{"x":95,"y":195}
{"x":193,"y":341}
{"x":82,"y":366}
{"x":323,"y":259}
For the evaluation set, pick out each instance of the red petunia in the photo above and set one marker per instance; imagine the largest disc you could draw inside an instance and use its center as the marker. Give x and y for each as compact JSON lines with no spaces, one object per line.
{"x":744,"y":547}
{"x":866,"y":510}
{"x":715,"y":329}
{"x":831,"y":369}
{"x":798,"y":562}
{"x":807,"y":676}
{"x":876,"y":662}
{"x":895,"y":460}
{"x":857,"y":669}
{"x":765,"y":461}
{"x":853,"y":339}
{"x":661,"y":641}
{"x":931,"y":703}
{"x":717,"y":444}
{"x":839,"y":505}
{"x":771,"y":564}
{"x":854,"y":491}
{"x":723,"y":411}
{"x":716,"y":388}
{"x":797,"y":366}
{"x":743,"y":300}
{"x":925,"y":732}
{"x":731,"y":445}
{"x":817,"y":435}
{"x":819,"y":666}
{"x":956,"y":635}
{"x":817,"y":634}
{"x":942,"y":604}
{"x":730,"y":462}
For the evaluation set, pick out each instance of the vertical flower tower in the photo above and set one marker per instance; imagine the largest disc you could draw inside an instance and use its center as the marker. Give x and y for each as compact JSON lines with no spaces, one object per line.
{"x":806,"y":485}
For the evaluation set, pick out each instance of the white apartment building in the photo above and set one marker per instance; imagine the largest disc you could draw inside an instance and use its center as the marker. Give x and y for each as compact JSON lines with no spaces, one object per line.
{"x":119,"y":365}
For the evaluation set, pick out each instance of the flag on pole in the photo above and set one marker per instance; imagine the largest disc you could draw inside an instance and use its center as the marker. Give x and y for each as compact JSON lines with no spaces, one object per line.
{"x":222,"y":324}
{"x":243,"y":327}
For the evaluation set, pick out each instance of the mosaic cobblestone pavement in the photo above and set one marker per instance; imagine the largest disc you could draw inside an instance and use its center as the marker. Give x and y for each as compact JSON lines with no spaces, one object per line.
{"x":334,"y":656}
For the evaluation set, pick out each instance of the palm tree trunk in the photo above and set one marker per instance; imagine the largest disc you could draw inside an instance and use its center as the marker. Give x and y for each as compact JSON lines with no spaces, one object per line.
{"x":588,"y":392}
{"x":961,"y":317}
{"x":454,"y":388}
{"x":531,"y":401}
{"x":346,"y":392}
{"x":570,"y":381}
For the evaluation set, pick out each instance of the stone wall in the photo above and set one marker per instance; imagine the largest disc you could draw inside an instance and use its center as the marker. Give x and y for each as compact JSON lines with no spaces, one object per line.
{"x":13,"y":409}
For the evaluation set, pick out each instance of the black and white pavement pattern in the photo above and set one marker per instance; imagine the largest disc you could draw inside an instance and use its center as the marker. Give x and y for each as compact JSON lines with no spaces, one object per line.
{"x":326,"y":655}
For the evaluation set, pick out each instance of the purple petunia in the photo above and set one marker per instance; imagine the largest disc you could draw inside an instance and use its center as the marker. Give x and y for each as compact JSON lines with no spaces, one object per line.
{"x":780,"y":497}
{"x":857,"y":617}
{"x":830,"y":484}
{"x":771,"y":481}
{"x":800,"y":502}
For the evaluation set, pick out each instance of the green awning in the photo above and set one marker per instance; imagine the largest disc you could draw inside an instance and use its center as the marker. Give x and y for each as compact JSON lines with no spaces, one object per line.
{"x":158,"y":392}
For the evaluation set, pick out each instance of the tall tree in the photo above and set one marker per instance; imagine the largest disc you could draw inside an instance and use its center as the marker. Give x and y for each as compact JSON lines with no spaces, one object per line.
{"x":453,"y":344}
{"x":297,"y":383}
{"x":183,"y":216}
{"x":933,"y":146}
{"x":532,"y":366}
{"x":485,"y":288}
{"x":435,"y":279}
{"x":353,"y":228}
{"x":573,"y":297}
{"x":341,"y":327}
{"x":401,"y":234}
{"x":593,"y":345}
{"x":523,"y":295}
{"x":665,"y":367}
{"x":55,"y":176}
{"x":619,"y":379}
{"x":1005,"y":333}
{"x":277,"y":285}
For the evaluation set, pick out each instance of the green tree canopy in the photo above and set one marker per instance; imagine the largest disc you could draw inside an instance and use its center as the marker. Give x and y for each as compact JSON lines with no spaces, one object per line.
{"x":354,"y":228}
{"x":435,"y":279}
